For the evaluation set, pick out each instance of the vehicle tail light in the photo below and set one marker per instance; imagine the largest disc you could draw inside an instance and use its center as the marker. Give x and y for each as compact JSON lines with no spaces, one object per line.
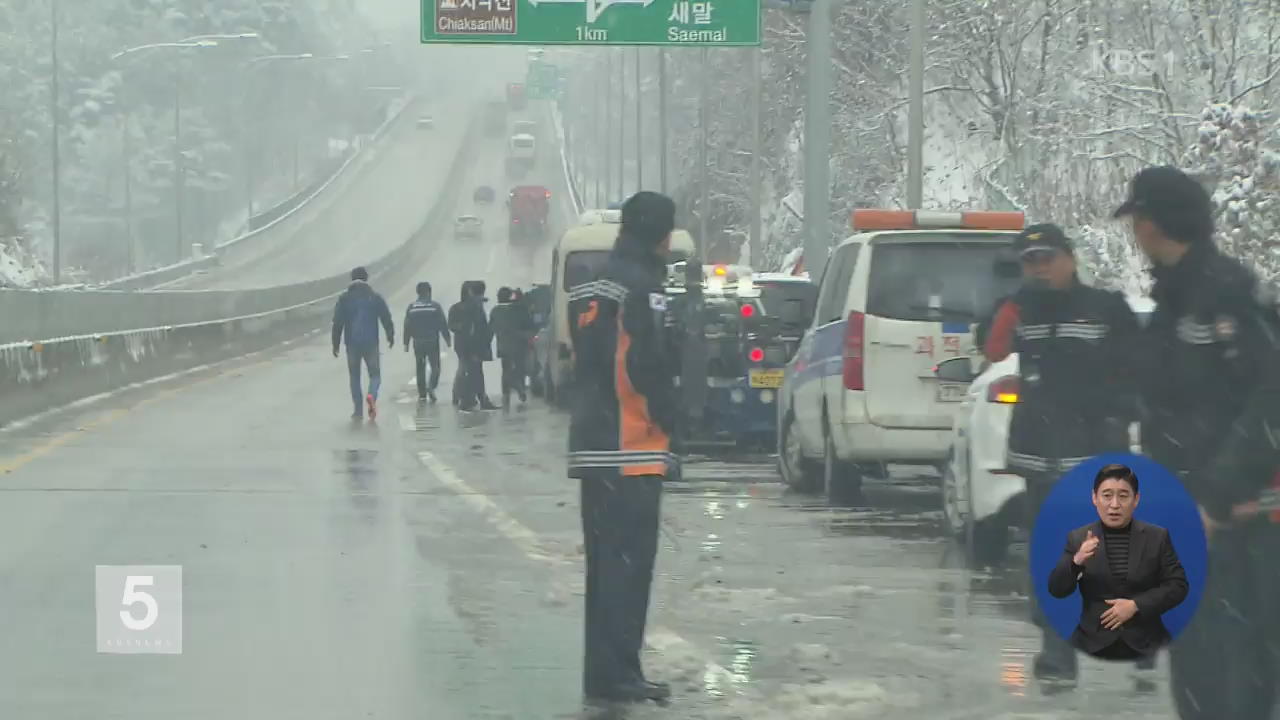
{"x":854,"y":340}
{"x":748,"y":310}
{"x":756,"y":355}
{"x":548,"y":194}
{"x":868,"y":219}
{"x":1005,"y":390}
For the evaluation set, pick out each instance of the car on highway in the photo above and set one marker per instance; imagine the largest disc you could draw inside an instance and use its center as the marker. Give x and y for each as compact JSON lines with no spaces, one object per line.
{"x":426,"y":122}
{"x":896,"y":297}
{"x":525,"y":127}
{"x":522,"y":151}
{"x":468,"y":226}
{"x":484,"y":195}
{"x":981,"y":497}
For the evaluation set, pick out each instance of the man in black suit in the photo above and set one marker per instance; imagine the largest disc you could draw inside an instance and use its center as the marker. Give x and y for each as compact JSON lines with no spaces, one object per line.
{"x":1127,"y":571}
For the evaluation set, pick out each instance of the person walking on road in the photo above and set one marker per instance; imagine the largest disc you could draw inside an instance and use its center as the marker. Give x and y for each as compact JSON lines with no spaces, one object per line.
{"x":355,"y":319}
{"x":620,"y":443}
{"x":512,"y":328}
{"x":1210,"y":384}
{"x":425,"y":325}
{"x":471,"y":342}
{"x":1078,"y":399}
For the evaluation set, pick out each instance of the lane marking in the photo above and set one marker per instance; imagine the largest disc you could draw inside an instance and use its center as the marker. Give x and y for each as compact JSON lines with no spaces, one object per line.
{"x":661,"y":639}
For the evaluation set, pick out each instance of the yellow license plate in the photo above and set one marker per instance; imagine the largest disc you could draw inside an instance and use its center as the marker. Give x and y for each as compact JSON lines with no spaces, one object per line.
{"x":771,"y":379}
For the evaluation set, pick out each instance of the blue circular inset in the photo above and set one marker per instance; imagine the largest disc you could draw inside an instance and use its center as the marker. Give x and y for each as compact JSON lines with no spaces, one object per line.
{"x":1161,"y":501}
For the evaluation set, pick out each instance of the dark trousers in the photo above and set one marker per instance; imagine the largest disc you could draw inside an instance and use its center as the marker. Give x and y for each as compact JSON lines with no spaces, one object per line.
{"x":514,"y":370}
{"x":422,"y":353}
{"x":620,"y":532}
{"x":372,"y":359}
{"x":468,"y":383}
{"x":1224,"y":664}
{"x":1057,"y":656}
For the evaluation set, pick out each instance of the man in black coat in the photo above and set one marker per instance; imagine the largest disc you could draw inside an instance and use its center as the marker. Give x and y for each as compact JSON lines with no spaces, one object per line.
{"x":1209,"y":366}
{"x":512,"y":327}
{"x":426,"y":326}
{"x":472,"y":342}
{"x":1127,"y":571}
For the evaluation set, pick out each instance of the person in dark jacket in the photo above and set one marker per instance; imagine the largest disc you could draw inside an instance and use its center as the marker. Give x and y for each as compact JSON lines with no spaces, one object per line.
{"x":356,"y":318}
{"x":1127,"y":571}
{"x":1209,"y":366}
{"x":472,"y":343}
{"x":512,"y":329}
{"x":1077,"y":400}
{"x":426,"y":326}
{"x":624,"y":413}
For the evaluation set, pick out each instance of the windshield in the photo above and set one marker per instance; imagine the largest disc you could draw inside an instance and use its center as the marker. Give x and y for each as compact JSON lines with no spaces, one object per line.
{"x":523,"y":142}
{"x":943,"y":280}
{"x":782,"y":299}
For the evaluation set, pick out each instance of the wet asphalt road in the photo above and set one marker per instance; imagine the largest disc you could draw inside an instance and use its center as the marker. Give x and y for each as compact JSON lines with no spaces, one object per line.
{"x":429,"y":565}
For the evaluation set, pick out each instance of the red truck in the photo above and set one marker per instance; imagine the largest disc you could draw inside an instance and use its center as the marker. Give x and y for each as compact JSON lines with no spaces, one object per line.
{"x":527,"y":208}
{"x":516,"y":98}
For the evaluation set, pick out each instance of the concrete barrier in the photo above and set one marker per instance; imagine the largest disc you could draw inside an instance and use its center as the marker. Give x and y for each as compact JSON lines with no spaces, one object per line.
{"x":124,"y":338}
{"x":277,"y":215}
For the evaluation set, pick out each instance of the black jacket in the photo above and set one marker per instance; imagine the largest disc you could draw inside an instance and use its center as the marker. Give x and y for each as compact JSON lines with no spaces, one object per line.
{"x":470,"y":327}
{"x":512,"y":327}
{"x":356,"y":317}
{"x":1156,"y":582}
{"x":1078,"y":395}
{"x":1210,"y":372}
{"x":425,"y":324}
{"x":624,"y":400}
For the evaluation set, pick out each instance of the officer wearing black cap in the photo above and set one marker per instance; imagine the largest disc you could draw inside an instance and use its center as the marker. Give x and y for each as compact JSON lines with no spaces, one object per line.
{"x":1077,"y":400}
{"x":1209,"y":368}
{"x":624,"y":414}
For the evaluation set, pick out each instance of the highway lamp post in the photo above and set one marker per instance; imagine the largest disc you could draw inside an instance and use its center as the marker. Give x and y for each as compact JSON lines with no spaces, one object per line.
{"x":817,"y":139}
{"x":179,"y":166}
{"x":622,"y":124}
{"x":915,"y":130}
{"x":662,"y":119}
{"x":754,"y":239}
{"x":704,"y":157}
{"x":56,"y":123}
{"x":639,"y":130}
{"x":607,"y":95}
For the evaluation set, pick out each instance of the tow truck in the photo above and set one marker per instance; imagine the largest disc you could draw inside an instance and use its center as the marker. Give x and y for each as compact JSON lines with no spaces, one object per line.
{"x":527,"y":210}
{"x":737,"y":335}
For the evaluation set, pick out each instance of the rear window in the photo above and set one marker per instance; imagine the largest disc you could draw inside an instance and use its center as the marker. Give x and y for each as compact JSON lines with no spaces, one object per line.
{"x":584,"y":266}
{"x":523,"y":143}
{"x":943,"y":281}
{"x":777,"y":296}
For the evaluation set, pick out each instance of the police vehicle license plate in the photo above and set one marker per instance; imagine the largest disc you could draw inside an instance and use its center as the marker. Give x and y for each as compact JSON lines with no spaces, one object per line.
{"x":771,"y":379}
{"x":952,"y":392}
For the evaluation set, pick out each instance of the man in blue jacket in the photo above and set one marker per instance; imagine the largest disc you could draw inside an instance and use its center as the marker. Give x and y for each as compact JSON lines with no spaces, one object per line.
{"x":356,"y":317}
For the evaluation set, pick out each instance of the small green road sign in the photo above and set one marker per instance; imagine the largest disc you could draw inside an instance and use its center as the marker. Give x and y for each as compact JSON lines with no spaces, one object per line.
{"x":543,"y":80}
{"x":693,"y":23}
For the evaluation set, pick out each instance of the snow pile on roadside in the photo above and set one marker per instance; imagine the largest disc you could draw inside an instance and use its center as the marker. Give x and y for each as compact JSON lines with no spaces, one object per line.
{"x":18,"y":268}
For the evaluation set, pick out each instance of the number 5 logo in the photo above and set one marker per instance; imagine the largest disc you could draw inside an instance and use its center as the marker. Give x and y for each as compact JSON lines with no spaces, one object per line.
{"x":133,"y":596}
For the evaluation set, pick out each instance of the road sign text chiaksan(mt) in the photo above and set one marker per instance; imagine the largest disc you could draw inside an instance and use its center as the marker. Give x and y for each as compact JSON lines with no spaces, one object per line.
{"x":693,"y":23}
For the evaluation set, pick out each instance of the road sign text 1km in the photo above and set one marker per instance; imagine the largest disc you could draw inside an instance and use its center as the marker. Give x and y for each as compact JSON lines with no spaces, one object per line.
{"x":592,"y":22}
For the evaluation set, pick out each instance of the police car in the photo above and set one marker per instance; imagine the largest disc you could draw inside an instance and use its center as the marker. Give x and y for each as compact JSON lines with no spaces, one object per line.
{"x":978,"y":491}
{"x":895,"y":299}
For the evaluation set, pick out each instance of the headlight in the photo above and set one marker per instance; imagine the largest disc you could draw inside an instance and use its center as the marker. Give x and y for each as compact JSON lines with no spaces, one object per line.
{"x":737,"y":396}
{"x":766,"y":396}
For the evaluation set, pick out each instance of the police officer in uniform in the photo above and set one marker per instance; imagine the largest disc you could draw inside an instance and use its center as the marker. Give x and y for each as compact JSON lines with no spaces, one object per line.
{"x":1077,"y":398}
{"x":624,"y":414}
{"x":1210,"y":380}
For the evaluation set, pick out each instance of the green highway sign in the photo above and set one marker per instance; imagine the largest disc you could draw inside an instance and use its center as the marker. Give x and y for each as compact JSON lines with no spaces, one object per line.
{"x":691,"y":23}
{"x":542,"y":80}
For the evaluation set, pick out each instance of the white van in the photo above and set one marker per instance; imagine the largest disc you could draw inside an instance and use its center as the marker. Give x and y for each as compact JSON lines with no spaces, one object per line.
{"x":522,"y":147}
{"x":897,"y":298}
{"x":579,"y":258}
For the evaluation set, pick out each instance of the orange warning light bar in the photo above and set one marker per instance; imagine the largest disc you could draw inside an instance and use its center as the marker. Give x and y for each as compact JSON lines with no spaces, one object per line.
{"x":870,"y":219}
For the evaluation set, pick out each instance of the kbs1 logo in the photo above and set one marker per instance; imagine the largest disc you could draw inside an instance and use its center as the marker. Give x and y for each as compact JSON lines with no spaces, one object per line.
{"x":1121,"y":62}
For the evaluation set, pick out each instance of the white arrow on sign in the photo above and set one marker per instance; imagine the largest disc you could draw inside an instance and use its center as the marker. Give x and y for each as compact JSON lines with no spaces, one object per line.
{"x":594,"y":7}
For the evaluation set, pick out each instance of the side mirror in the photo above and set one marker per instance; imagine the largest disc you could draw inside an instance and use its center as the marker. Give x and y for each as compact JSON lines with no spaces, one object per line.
{"x":957,"y":370}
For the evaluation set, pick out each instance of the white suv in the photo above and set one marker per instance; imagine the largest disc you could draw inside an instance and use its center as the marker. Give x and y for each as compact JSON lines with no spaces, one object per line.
{"x":895,"y":299}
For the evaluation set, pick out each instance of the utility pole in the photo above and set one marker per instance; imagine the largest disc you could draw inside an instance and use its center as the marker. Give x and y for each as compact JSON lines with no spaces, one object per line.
{"x":703,"y":179}
{"x":915,"y":131}
{"x":753,"y":240}
{"x":179,"y":170}
{"x":54,"y":92}
{"x":817,"y":139}
{"x":607,"y":94}
{"x":662,"y":120}
{"x":622,"y":125}
{"x":639,"y":130}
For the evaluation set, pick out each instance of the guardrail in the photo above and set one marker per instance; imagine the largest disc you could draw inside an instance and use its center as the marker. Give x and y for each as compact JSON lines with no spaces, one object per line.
{"x":169,"y":273}
{"x":196,"y":328}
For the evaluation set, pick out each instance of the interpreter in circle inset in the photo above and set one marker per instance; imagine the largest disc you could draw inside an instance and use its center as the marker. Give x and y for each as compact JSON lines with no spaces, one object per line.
{"x":1127,"y":572}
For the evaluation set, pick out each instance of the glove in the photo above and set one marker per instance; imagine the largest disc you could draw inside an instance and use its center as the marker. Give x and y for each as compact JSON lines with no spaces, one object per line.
{"x":335,"y":352}
{"x":391,"y":343}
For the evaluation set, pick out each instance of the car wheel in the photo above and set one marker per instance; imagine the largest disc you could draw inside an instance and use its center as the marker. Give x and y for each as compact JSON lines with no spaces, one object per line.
{"x":956,"y":520}
{"x":842,"y":481}
{"x":797,"y":472}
